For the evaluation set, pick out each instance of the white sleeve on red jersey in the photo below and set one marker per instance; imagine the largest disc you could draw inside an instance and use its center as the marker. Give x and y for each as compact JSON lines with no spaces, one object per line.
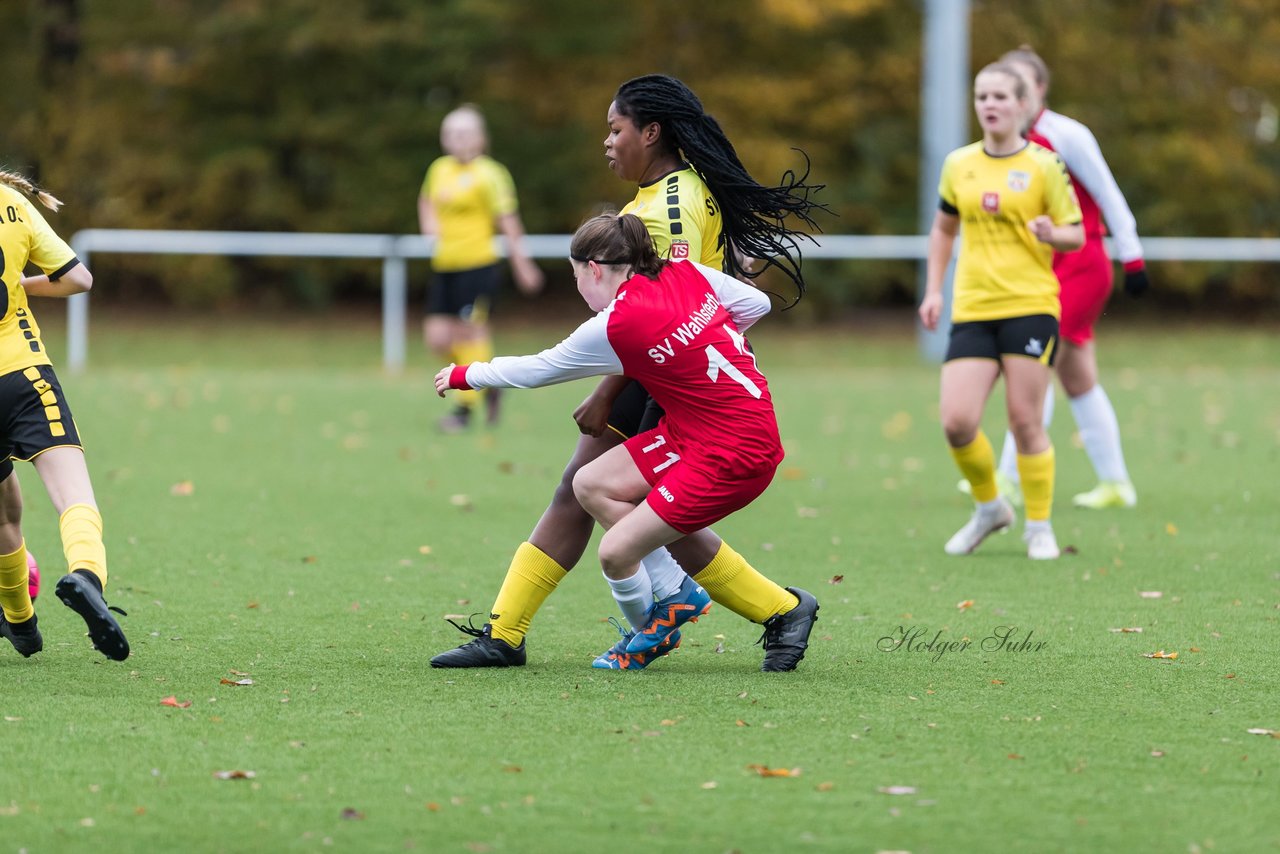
{"x":585,"y":353}
{"x":1079,"y":149}
{"x":744,"y":303}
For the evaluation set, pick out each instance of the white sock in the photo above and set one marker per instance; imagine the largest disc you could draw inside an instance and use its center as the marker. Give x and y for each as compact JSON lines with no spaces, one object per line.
{"x":665,"y":575}
{"x":634,"y":596}
{"x":1009,"y":452}
{"x":1034,"y":525}
{"x":1100,"y":433}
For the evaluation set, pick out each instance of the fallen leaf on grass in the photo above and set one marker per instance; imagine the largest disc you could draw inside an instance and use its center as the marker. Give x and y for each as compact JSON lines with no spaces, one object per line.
{"x":433,"y":806}
{"x":743,"y":723}
{"x":237,"y":673}
{"x":836,"y":579}
{"x":463,"y":501}
{"x":1229,"y":676}
{"x":1171,"y":529}
{"x":1016,"y":756}
{"x":997,"y":681}
{"x":183,"y":488}
{"x":351,"y":814}
{"x":175,"y":702}
{"x":309,"y":559}
{"x":225,"y":681}
{"x":1128,"y":630}
{"x":1157,"y":753}
{"x":766,"y":771}
{"x":825,"y":787}
{"x":11,"y":719}
{"x":234,"y":775}
{"x":1161,"y":654}
{"x":1070,"y":550}
{"x":896,"y":790}
{"x":1261,"y":731}
{"x":1150,"y":594}
{"x":710,"y":784}
{"x":512,"y":769}
{"x":424,"y":550}
{"x":965,"y":605}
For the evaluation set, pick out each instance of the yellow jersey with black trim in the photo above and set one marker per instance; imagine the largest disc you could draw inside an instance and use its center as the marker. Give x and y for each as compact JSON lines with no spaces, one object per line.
{"x":682,"y":218}
{"x":25,"y":238}
{"x":1003,"y":271}
{"x":468,"y":198}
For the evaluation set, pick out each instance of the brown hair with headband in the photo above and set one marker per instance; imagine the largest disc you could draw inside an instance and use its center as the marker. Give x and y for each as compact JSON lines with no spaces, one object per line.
{"x":617,"y":240}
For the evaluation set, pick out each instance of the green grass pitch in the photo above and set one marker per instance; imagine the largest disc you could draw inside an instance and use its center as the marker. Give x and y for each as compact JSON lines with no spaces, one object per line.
{"x":279,"y":510}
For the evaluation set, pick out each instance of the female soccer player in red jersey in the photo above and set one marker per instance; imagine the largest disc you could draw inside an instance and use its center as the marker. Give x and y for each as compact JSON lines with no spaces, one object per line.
{"x":676,"y":327}
{"x":1086,"y":277}
{"x":696,"y":199}
{"x":36,"y":425}
{"x":1017,"y":205}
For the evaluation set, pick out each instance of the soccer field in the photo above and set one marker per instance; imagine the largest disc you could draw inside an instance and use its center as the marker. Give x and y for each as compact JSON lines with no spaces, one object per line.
{"x":279,"y":511}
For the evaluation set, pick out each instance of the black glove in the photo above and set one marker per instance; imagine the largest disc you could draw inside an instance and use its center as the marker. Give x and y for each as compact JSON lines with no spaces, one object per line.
{"x":1136,"y":282}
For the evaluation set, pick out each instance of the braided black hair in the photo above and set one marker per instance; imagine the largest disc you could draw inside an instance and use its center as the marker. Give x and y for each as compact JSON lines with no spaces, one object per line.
{"x":754,"y":217}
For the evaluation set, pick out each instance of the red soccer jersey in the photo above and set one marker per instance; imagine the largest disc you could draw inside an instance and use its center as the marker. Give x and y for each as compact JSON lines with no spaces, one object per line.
{"x":675,"y":337}
{"x":681,"y":337}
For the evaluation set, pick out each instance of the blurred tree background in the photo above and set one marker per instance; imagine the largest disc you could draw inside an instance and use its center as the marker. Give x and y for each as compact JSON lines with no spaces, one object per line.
{"x":293,"y":115}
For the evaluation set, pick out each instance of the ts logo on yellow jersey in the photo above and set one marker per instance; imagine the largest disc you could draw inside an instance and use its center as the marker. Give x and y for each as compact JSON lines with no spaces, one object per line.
{"x":679,"y":250}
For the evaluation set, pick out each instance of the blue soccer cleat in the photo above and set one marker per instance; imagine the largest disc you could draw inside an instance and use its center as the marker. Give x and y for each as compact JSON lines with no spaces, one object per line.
{"x":617,"y":657}
{"x":686,"y":605}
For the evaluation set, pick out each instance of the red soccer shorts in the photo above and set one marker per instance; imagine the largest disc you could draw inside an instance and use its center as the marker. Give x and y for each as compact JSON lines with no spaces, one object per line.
{"x":1086,"y":278}
{"x":691,"y":493}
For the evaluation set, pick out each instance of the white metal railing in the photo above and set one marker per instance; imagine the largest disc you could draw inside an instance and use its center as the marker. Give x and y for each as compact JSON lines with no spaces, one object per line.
{"x":395,"y":250}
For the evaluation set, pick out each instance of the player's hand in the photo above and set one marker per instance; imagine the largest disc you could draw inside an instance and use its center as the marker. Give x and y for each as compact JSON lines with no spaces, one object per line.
{"x":1042,"y":228}
{"x":528,"y":276}
{"x":592,"y":415}
{"x":930,"y":311}
{"x":442,"y":379}
{"x":1136,"y":282}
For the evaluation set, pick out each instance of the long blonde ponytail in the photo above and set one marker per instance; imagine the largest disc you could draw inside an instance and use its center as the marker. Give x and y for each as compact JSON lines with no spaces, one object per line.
{"x":20,"y":182}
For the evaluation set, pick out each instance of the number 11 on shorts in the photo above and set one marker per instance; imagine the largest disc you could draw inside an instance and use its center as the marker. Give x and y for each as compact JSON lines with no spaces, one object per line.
{"x":658,"y":442}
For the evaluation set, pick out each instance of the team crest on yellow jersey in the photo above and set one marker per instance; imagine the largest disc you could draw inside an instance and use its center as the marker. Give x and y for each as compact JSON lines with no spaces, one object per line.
{"x":679,"y":250}
{"x":991,"y":202}
{"x":1019,"y":181}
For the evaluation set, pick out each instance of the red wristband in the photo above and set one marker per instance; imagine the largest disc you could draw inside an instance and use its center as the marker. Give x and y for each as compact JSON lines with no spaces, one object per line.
{"x":458,"y":377}
{"x":1135,"y":265}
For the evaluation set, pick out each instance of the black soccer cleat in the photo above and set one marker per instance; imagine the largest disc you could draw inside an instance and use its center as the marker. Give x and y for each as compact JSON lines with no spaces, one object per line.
{"x":484,"y":651}
{"x":24,"y":636}
{"x":786,"y":636}
{"x":82,"y":592}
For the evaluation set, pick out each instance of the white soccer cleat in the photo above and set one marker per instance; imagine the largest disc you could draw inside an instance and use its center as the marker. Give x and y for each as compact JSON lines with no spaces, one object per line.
{"x":1042,"y":544}
{"x":980,"y":526}
{"x":1109,"y":493}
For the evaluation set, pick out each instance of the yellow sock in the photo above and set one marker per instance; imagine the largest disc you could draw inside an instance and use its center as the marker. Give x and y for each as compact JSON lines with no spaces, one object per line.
{"x":1036,"y":473}
{"x":464,"y":353}
{"x":530,"y":579}
{"x":977,"y":463}
{"x":15,"y":597}
{"x":737,"y":585}
{"x":81,"y":527}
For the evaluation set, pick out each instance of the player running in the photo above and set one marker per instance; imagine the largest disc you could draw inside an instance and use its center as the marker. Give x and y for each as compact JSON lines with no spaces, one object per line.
{"x":36,"y":426}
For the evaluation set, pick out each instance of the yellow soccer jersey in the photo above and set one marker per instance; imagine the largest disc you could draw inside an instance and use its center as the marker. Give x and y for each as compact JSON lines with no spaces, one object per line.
{"x":682,"y":218}
{"x":24,"y":237}
{"x":468,"y":199}
{"x":1003,"y":271}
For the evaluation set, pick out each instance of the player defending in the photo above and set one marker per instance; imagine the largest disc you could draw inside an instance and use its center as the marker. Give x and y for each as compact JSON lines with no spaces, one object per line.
{"x":38,"y":427}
